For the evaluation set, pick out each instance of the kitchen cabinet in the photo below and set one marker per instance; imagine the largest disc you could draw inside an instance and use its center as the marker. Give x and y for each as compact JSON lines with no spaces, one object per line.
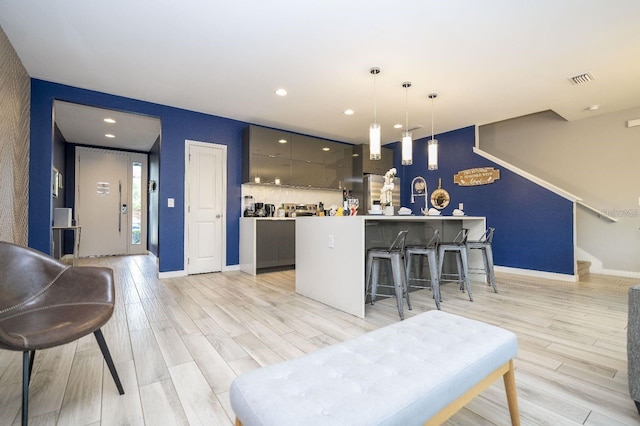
{"x":273,"y":156}
{"x":275,"y":243}
{"x":338,"y":166}
{"x":267,"y":244}
{"x":362,"y":165}
{"x":266,"y":156}
{"x":307,"y":173}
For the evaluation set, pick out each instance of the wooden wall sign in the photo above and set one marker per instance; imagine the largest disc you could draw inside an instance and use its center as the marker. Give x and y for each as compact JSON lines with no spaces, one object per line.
{"x":476,"y":176}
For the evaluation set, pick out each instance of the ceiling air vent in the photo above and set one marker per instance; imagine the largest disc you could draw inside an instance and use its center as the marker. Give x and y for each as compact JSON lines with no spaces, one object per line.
{"x":581,"y":78}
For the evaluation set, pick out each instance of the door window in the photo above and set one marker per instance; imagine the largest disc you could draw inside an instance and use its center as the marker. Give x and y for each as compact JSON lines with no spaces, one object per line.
{"x":136,"y":203}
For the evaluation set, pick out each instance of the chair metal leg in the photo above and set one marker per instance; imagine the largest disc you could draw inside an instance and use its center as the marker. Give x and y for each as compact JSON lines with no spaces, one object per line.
{"x":435,"y":280}
{"x":458,"y":254}
{"x":26,"y":371}
{"x":404,"y":281}
{"x":32,"y":357}
{"x":407,"y":266}
{"x":375,"y":276}
{"x":107,"y":358}
{"x":488,"y":255}
{"x":368,"y":279}
{"x":465,"y":271}
{"x":398,"y":276}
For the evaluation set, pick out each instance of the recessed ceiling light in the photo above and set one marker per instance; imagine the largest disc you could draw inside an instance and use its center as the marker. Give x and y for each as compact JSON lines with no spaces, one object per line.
{"x":593,"y":107}
{"x":325,"y":149}
{"x":109,"y":120}
{"x":282,"y":141}
{"x":109,"y":135}
{"x":281,"y":92}
{"x":348,"y":112}
{"x":397,"y":126}
{"x":355,"y":155}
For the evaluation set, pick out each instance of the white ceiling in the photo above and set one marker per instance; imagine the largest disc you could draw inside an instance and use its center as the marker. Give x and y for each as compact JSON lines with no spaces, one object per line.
{"x":487,"y":60}
{"x":85,"y":125}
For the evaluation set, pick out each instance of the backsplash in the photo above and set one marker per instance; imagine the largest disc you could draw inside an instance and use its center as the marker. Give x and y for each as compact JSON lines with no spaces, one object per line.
{"x":278,"y":195}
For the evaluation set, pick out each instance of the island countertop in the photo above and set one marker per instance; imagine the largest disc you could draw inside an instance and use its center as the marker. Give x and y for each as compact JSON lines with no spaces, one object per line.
{"x":331,"y":253}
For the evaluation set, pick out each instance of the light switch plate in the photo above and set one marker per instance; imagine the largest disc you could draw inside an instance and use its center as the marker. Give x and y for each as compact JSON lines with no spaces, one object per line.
{"x":171,"y":202}
{"x":332,"y":241}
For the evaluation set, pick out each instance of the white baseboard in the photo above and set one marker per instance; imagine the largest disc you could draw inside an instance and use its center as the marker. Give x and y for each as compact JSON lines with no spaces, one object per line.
{"x":230,"y":268}
{"x":537,"y":274}
{"x":172,"y":274}
{"x":615,"y":273}
{"x":178,"y":274}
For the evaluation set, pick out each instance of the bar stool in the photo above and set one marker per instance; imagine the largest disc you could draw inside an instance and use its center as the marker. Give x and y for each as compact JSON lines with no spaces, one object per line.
{"x":459,"y":247}
{"x":395,"y":255}
{"x":431,"y":252}
{"x":484,"y":244}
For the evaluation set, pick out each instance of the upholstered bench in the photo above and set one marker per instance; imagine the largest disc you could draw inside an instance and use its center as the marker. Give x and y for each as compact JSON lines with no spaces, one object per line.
{"x":422,"y":369}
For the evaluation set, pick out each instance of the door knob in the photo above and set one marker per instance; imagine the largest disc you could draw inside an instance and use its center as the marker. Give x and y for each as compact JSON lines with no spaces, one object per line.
{"x":218,"y":216}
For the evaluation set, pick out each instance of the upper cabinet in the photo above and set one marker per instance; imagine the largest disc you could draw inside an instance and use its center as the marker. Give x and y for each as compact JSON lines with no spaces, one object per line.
{"x":362,"y":165}
{"x":277,"y":157}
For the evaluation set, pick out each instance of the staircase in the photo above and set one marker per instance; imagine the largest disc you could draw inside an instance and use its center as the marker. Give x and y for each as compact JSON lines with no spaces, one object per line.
{"x":583,"y":268}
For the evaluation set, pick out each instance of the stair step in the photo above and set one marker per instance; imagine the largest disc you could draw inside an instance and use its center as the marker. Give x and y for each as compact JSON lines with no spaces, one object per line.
{"x":583,"y":267}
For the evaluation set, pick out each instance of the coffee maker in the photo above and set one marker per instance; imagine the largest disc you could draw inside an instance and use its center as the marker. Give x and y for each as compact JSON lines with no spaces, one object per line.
{"x":270,"y":210}
{"x":249,"y":206}
{"x":260,"y":210}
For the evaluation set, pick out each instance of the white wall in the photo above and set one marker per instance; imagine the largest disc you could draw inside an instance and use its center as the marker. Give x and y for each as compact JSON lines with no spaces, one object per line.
{"x":595,"y":159}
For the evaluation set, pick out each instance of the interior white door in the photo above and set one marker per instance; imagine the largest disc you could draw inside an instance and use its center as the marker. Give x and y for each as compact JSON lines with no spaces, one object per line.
{"x":205,"y":192}
{"x":101,"y":201}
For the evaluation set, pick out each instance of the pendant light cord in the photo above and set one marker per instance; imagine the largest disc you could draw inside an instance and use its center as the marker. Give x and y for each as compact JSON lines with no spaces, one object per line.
{"x":432,"y":96}
{"x":374,"y":97}
{"x":406,"y":86}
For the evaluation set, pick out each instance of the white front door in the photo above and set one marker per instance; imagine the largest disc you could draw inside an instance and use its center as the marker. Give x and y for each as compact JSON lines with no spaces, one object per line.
{"x":111,"y":201}
{"x":205,"y":205}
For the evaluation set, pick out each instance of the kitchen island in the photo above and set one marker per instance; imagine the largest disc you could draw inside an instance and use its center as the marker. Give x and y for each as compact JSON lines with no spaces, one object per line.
{"x":331,"y":251}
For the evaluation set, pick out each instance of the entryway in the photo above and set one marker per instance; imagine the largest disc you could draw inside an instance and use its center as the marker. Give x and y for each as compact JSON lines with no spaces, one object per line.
{"x":111,"y":201}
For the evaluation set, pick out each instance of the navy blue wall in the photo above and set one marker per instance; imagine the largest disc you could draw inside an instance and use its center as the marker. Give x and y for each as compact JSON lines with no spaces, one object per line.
{"x":534,"y":226}
{"x":177,"y":125}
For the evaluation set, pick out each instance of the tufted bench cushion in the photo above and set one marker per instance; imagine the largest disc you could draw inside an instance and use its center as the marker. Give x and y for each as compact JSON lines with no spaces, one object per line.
{"x":402,"y":374}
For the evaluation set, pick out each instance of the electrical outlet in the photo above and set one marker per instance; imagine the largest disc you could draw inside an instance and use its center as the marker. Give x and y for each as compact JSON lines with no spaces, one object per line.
{"x":332,"y":241}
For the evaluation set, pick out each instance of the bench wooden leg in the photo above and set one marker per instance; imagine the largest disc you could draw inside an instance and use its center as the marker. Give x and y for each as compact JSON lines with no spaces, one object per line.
{"x":512,"y":396}
{"x":505,"y":371}
{"x":238,"y":422}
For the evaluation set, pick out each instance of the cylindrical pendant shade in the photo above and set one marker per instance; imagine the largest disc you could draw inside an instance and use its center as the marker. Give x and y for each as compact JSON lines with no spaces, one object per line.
{"x":407,"y":149}
{"x":374,"y":142}
{"x":432,"y":154}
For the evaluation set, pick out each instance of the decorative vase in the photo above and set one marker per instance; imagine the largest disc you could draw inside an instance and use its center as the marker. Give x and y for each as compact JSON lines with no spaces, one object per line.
{"x":388,"y":211}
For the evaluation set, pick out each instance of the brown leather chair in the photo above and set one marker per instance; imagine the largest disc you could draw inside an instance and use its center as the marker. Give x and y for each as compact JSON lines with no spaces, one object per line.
{"x":45,"y":303}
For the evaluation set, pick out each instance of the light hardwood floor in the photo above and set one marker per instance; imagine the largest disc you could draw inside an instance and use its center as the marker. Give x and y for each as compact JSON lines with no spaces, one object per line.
{"x":178,"y":344}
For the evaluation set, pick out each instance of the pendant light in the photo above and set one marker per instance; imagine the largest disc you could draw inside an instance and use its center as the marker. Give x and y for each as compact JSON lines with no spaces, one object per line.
{"x":407,"y":143}
{"x":432,"y":145}
{"x":374,"y":128}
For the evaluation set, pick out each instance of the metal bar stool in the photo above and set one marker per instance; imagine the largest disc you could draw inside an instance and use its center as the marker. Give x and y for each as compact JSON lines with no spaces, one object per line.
{"x":430,"y":250}
{"x":395,"y":255}
{"x":484,"y":244}
{"x":459,"y":247}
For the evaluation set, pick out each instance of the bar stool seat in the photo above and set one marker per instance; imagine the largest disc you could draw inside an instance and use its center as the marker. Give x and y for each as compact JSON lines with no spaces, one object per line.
{"x":395,"y":255}
{"x":484,"y":244}
{"x":459,"y":247}
{"x":430,"y":251}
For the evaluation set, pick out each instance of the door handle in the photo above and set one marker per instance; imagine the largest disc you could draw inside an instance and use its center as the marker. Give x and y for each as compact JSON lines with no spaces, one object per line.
{"x":218,"y":216}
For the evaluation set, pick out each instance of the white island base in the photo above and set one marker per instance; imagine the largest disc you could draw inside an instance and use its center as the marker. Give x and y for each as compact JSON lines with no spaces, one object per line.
{"x":331,"y":252}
